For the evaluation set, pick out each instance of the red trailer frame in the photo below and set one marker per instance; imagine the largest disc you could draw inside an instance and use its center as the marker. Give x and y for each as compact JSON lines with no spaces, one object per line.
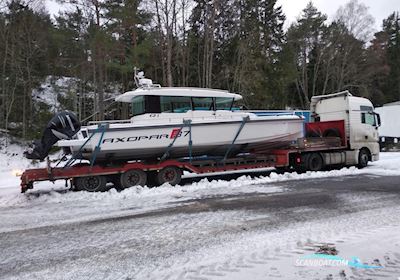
{"x":283,"y":158}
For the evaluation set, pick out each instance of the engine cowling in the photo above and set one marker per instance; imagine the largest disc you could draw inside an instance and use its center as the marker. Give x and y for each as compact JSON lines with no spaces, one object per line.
{"x":63,"y":125}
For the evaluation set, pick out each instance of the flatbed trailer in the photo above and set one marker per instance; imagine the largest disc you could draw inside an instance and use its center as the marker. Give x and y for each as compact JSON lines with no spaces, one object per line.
{"x":167,"y":171}
{"x":306,"y":154}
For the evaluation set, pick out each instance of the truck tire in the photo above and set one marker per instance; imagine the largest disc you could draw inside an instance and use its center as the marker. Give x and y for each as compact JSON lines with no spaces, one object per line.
{"x":169,"y":174}
{"x":363,"y":158}
{"x":133,"y":177}
{"x":315,"y":162}
{"x":91,"y":183}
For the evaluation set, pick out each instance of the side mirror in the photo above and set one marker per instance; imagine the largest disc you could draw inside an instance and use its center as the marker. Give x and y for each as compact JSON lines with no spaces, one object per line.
{"x":378,"y":119}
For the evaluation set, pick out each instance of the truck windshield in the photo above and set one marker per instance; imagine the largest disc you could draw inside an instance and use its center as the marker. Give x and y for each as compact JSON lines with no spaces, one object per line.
{"x":368,"y":118}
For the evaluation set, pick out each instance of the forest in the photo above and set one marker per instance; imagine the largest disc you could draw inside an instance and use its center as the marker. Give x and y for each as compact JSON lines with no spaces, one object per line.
{"x":243,"y":46}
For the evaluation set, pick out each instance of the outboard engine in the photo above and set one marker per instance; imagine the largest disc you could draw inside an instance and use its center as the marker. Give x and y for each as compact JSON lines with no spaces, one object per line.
{"x":64,"y":125}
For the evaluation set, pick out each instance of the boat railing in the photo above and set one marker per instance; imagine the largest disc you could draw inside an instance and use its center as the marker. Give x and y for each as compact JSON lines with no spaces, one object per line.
{"x":108,"y":122}
{"x":306,"y":114}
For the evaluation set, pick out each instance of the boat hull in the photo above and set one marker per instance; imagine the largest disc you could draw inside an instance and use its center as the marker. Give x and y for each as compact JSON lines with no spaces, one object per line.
{"x":213,"y":138}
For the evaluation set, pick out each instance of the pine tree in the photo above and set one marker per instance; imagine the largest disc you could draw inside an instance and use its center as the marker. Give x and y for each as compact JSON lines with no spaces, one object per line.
{"x":391,"y":27}
{"x":306,"y":39}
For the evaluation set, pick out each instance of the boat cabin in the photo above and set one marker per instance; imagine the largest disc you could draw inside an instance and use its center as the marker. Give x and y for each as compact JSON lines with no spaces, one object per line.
{"x":177,"y":100}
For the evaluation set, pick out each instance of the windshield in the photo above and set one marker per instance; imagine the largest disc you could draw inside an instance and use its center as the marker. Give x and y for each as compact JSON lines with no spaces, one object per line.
{"x":138,"y":105}
{"x":223,"y":103}
{"x":175,"y":104}
{"x":178,"y":104}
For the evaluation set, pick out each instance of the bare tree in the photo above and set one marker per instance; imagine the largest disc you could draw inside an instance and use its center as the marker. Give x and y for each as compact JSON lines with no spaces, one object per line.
{"x":170,"y":21}
{"x":356,"y":18}
{"x":355,"y":28}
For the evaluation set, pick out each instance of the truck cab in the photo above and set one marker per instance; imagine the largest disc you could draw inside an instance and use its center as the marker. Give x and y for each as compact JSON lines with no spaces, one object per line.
{"x":361,"y":123}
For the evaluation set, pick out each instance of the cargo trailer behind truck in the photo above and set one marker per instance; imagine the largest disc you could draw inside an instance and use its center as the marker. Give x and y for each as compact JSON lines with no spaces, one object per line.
{"x":389,"y":131}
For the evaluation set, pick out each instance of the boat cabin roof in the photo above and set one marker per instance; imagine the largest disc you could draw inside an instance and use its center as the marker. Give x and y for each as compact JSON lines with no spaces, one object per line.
{"x":176,"y":91}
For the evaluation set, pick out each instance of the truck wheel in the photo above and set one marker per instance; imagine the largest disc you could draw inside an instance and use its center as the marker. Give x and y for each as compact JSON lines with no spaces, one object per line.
{"x":363,"y":158}
{"x":169,"y":174}
{"x":315,"y":162}
{"x":91,"y":183}
{"x":133,"y":177}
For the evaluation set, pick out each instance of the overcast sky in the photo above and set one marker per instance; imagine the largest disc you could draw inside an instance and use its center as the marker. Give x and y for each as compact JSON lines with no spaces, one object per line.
{"x":379,"y":9}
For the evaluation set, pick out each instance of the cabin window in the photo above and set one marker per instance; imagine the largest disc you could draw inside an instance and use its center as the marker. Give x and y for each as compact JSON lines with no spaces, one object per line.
{"x":223,"y":103}
{"x":175,"y":104}
{"x":366,"y":108}
{"x":368,"y":118}
{"x":203,"y":103}
{"x":138,"y":105}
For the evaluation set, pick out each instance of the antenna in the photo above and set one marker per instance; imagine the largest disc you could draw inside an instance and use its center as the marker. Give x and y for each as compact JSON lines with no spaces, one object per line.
{"x":135,"y":77}
{"x":142,"y":82}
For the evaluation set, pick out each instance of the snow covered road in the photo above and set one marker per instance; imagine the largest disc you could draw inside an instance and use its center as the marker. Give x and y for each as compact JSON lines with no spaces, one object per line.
{"x":243,"y":228}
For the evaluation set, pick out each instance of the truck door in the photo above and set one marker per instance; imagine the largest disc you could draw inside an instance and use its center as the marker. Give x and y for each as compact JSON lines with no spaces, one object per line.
{"x":369,"y":124}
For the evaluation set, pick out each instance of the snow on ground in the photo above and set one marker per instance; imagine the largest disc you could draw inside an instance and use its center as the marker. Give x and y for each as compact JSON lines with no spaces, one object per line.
{"x":274,"y":254}
{"x":140,"y":199}
{"x":12,"y":163}
{"x":54,"y":87}
{"x":256,"y":254}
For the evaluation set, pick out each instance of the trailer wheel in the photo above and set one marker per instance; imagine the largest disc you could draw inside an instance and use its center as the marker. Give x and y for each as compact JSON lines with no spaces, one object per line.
{"x":133,"y":177}
{"x":363,"y":158}
{"x":169,"y":174}
{"x":315,"y":162}
{"x":91,"y":183}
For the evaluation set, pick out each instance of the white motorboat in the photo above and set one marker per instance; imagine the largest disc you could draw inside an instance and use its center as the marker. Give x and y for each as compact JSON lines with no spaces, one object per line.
{"x":182,"y":122}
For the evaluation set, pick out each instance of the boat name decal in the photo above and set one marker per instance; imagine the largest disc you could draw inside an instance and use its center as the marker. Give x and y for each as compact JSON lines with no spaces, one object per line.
{"x":175,"y":133}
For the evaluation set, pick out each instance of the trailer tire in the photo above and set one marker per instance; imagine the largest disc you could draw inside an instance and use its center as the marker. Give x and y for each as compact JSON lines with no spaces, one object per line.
{"x":169,"y":174}
{"x":315,"y":162}
{"x":133,"y":177}
{"x":363,"y":158}
{"x":91,"y":183}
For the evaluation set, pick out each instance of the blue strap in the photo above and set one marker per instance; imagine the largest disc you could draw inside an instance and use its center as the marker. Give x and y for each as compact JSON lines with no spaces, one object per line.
{"x":103,"y":129}
{"x":245,"y":119}
{"x":190,"y":140}
{"x":166,"y":154}
{"x":79,"y":152}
